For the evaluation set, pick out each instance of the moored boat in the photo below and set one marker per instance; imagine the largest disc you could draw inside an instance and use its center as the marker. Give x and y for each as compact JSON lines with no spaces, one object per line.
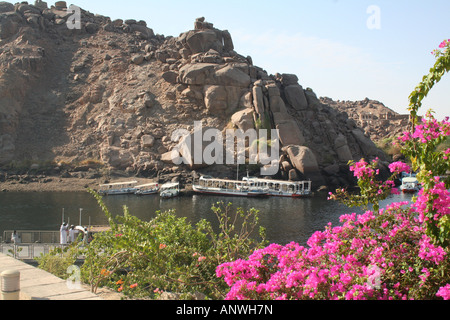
{"x":118,"y":188}
{"x":169,"y":190}
{"x":410,"y":185}
{"x":280,"y":188}
{"x":252,"y":187}
{"x":147,"y":189}
{"x":212,"y":186}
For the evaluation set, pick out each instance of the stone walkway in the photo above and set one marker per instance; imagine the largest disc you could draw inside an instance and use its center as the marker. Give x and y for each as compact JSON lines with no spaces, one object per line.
{"x":37,"y":284}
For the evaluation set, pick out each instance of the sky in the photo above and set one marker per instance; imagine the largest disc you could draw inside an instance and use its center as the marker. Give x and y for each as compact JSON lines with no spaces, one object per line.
{"x":342,"y":49}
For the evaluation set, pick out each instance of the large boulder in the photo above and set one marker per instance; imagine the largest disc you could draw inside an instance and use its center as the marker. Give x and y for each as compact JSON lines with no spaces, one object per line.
{"x":197,"y":74}
{"x":289,"y":133}
{"x":117,"y":158}
{"x":231,"y":76}
{"x":227,"y":41}
{"x":243,"y":120}
{"x":288,"y":79}
{"x":295,"y":96}
{"x":258,"y":100}
{"x":145,"y":32}
{"x":222,"y":100}
{"x":304,"y":160}
{"x":147,"y":141}
{"x":9,"y":24}
{"x":189,"y":151}
{"x":368,"y":147}
{"x":214,"y":74}
{"x":342,"y":149}
{"x":203,"y":41}
{"x":6,"y":7}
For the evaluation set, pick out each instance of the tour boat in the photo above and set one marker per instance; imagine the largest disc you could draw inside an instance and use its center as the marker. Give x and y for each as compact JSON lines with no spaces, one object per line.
{"x":212,"y":186}
{"x":253,"y":187}
{"x":410,"y":185}
{"x":281,"y":188}
{"x":118,"y":188}
{"x":170,"y":190}
{"x":147,"y":189}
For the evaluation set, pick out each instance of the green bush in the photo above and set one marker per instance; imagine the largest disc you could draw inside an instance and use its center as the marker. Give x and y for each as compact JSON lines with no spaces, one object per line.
{"x":168,"y":254}
{"x":58,"y":261}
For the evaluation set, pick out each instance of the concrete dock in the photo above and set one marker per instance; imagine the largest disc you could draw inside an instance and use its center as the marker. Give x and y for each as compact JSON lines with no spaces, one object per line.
{"x":37,"y":284}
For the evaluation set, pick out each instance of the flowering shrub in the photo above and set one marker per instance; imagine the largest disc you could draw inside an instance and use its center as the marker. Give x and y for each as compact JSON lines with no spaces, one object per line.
{"x":372,"y":191}
{"x":371,"y":256}
{"x":398,"y":252}
{"x":167,"y":254}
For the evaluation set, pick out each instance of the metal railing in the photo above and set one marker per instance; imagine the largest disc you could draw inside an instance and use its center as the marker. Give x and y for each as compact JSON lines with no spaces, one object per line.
{"x":32,"y":236}
{"x":29,"y":251}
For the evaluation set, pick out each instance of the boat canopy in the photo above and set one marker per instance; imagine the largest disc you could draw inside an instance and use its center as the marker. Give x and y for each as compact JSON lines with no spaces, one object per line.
{"x":154,"y":184}
{"x":410,"y":180}
{"x":170,"y":185}
{"x":117,"y":184}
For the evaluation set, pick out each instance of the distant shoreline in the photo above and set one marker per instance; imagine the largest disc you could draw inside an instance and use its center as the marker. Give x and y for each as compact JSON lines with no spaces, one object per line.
{"x":51,"y":184}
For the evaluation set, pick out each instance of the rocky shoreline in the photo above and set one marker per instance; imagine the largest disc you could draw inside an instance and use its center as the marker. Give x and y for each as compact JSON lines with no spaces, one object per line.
{"x":49,"y":184}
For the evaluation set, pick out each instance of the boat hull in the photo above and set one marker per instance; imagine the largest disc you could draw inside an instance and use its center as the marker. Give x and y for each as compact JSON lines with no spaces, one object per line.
{"x":410,"y":190}
{"x":219,"y":193}
{"x":118,"y":192}
{"x":247,"y":194}
{"x":147,"y":193}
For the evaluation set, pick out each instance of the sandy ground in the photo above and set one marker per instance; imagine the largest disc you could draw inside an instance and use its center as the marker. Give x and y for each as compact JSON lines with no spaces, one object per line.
{"x":107,"y":294}
{"x":56,"y":184}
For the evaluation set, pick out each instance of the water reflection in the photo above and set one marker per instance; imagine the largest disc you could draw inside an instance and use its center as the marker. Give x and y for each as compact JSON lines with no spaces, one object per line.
{"x":285,"y":219}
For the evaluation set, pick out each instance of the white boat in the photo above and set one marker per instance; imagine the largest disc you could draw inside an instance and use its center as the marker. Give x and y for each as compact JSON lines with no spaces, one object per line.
{"x":253,"y":187}
{"x":255,"y":191}
{"x":410,"y":185}
{"x":169,"y":190}
{"x":118,"y":188}
{"x":212,"y":186}
{"x":147,"y":189}
{"x":281,"y":188}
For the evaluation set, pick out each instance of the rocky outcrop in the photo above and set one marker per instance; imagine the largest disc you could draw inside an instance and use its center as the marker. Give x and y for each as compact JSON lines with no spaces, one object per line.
{"x":377,"y":121}
{"x":114,"y":92}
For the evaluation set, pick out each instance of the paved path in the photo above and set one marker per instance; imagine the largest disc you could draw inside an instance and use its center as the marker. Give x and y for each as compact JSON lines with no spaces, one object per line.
{"x":37,"y":284}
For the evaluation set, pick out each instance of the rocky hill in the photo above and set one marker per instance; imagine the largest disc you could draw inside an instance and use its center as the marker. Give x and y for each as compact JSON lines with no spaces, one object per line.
{"x":378,"y":121}
{"x":106,"y":98}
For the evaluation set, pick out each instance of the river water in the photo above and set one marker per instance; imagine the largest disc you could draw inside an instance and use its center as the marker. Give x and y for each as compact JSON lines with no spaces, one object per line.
{"x":285,"y":219}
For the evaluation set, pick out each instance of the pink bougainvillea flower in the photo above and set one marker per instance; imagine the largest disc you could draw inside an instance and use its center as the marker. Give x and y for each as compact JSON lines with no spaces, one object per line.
{"x":399,"y":167}
{"x":444,"y":292}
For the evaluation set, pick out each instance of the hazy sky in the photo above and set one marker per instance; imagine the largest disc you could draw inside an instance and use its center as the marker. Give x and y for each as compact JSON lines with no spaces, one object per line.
{"x":342,"y":49}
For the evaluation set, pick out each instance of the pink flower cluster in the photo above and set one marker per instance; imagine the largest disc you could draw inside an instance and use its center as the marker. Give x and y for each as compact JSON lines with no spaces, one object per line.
{"x":444,"y":43}
{"x":444,"y":292}
{"x":365,"y":258}
{"x":362,"y":169}
{"x":399,"y":167}
{"x":438,"y":196}
{"x":429,"y":129}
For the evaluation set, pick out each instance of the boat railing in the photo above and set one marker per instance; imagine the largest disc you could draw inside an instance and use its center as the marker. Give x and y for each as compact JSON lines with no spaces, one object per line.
{"x":300,"y":187}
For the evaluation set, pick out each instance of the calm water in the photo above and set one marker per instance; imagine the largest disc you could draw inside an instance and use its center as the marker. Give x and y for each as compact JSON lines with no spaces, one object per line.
{"x":285,"y":219}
